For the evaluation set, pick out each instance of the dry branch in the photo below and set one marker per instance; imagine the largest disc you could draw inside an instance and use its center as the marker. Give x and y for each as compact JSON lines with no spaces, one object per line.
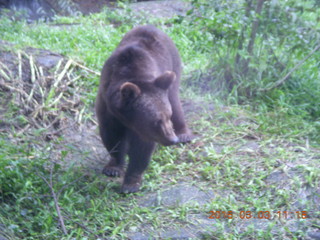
{"x":282,"y":80}
{"x":82,"y":226}
{"x":87,"y":69}
{"x":20,"y":65}
{"x":42,"y":95}
{"x":55,"y":198}
{"x":3,"y":73}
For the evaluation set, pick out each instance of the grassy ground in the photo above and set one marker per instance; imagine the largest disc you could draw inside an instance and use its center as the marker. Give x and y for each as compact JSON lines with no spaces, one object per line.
{"x":250,"y":160}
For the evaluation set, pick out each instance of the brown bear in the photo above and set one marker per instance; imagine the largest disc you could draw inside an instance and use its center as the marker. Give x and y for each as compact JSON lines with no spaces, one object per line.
{"x":138,"y":102}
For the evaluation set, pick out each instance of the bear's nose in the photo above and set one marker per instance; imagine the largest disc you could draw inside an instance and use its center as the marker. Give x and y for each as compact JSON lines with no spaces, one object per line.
{"x":173,"y":140}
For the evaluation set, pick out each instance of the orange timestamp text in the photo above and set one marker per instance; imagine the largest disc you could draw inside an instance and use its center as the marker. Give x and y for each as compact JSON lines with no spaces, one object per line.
{"x":258,"y":215}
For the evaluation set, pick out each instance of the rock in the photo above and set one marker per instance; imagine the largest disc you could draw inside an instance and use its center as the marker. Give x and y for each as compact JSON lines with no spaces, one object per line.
{"x":138,"y":236}
{"x":194,"y":232}
{"x":178,"y":195}
{"x":250,"y":146}
{"x":49,"y":60}
{"x":277,"y":177}
{"x":179,"y":234}
{"x":161,"y":9}
{"x":314,"y":235}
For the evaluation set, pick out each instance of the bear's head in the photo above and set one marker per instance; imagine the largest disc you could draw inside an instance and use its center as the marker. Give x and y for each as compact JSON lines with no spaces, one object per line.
{"x":145,"y":108}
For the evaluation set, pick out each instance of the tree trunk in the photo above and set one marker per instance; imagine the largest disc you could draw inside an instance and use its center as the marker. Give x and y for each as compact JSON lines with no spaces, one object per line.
{"x":254,"y":29}
{"x":241,"y":40}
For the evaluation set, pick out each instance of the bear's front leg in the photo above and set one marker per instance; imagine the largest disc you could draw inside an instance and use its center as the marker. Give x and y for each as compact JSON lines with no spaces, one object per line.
{"x":179,"y":124}
{"x":117,"y":151}
{"x":113,"y":135}
{"x":140,"y":153}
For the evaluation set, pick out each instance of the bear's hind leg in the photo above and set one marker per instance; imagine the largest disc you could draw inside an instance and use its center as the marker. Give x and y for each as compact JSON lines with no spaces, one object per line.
{"x":140,"y":153}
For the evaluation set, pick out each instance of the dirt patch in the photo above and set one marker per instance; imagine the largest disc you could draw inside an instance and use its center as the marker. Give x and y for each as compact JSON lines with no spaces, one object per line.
{"x":160,"y":9}
{"x":43,"y":88}
{"x":93,"y":6}
{"x":47,"y":9}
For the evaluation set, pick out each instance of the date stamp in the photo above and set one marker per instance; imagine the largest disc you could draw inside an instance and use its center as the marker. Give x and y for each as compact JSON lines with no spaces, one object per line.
{"x":269,"y":215}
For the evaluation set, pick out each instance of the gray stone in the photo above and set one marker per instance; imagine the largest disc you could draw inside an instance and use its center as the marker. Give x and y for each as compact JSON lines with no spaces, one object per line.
{"x":178,"y":195}
{"x":276,"y":177}
{"x":314,"y":235}
{"x":161,"y":9}
{"x":179,"y":234}
{"x":138,"y":236}
{"x":49,"y":61}
{"x":250,"y":146}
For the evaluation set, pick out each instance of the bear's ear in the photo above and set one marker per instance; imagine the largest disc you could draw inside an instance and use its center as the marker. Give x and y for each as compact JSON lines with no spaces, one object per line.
{"x":165,"y":80}
{"x":129,"y":91}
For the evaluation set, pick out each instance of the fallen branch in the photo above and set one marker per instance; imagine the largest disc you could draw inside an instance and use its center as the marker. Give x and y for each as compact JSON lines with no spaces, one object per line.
{"x":85,"y":68}
{"x":281,"y":81}
{"x":5,"y":67}
{"x":82,"y":226}
{"x":55,"y":199}
{"x":9,"y":87}
{"x":60,"y":129}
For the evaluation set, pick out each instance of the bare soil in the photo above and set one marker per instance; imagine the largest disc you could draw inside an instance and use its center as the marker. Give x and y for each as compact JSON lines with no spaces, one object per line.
{"x":47,"y":9}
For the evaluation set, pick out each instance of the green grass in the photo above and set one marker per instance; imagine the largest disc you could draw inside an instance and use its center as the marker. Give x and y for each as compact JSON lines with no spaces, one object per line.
{"x":75,"y":38}
{"x":238,"y":155}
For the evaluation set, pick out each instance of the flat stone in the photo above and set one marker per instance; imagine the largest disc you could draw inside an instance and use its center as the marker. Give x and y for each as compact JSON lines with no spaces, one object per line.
{"x":178,"y":195}
{"x":138,"y":236}
{"x":250,"y":146}
{"x":49,"y":61}
{"x":179,"y":234}
{"x":314,"y":235}
{"x":165,"y":8}
{"x":276,"y":177}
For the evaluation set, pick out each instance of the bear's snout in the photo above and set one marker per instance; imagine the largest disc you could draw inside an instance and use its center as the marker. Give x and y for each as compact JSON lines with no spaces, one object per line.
{"x":171,"y":141}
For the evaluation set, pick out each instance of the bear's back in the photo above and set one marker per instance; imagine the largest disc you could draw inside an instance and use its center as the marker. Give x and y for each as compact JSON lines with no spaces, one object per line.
{"x":147,"y":36}
{"x":156,"y":44}
{"x":143,"y":54}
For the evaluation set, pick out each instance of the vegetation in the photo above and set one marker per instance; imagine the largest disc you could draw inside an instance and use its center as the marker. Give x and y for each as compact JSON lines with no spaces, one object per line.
{"x":251,"y":74}
{"x":264,"y":53}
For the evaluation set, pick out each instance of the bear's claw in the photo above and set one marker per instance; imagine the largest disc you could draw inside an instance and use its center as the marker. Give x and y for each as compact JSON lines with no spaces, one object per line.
{"x":186,"y":137}
{"x":130,"y":188}
{"x":113,"y":171}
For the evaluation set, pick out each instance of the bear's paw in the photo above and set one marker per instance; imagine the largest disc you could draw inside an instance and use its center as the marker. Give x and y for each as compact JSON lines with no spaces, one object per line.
{"x":113,"y":171}
{"x":185,"y":137}
{"x":130,"y":188}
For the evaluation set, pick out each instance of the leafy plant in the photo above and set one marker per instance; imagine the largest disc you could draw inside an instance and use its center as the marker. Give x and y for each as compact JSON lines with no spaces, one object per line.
{"x":260,"y":48}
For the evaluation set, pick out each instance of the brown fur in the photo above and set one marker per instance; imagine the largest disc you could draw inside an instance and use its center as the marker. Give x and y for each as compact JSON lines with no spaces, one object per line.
{"x":138,"y":102}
